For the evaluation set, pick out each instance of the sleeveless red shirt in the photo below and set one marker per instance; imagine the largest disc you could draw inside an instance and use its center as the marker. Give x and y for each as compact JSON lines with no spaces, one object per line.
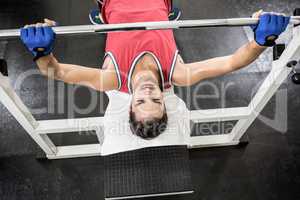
{"x":125,"y":48}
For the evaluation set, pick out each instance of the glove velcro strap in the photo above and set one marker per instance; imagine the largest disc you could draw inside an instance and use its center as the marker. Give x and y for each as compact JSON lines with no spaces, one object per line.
{"x":40,"y":52}
{"x":270,"y":40}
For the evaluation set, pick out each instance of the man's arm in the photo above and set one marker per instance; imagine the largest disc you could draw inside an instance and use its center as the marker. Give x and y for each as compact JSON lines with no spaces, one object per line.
{"x":101,"y":80}
{"x":269,"y":28}
{"x":191,"y":73}
{"x":39,"y":39}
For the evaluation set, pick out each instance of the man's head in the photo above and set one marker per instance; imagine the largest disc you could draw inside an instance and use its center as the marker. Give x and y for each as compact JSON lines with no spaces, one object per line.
{"x":148,"y":116}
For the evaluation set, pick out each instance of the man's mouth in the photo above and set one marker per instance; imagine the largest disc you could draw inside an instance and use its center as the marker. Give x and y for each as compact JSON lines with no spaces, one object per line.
{"x":148,"y":86}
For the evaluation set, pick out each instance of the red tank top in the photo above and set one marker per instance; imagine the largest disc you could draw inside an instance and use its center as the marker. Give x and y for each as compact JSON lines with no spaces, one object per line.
{"x":125,"y":48}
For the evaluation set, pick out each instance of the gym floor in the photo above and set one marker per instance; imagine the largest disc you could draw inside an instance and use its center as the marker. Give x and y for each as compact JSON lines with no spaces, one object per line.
{"x":268,"y":168}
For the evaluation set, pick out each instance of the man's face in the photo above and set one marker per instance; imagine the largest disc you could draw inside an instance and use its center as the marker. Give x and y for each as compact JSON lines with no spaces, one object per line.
{"x":147,"y":100}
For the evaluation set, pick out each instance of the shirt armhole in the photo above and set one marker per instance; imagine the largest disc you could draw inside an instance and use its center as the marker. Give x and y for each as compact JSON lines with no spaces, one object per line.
{"x":115,"y":66}
{"x":172,"y":67}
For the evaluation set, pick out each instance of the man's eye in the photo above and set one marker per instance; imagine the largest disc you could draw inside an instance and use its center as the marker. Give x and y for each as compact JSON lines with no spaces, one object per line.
{"x":139,"y":102}
{"x":157,"y":101}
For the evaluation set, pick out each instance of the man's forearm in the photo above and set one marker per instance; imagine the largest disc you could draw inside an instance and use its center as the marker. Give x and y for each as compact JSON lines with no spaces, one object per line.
{"x":68,"y":73}
{"x":245,"y":55}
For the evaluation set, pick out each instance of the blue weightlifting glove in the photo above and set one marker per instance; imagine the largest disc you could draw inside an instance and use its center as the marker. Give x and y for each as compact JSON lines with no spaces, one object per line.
{"x":269,"y":28}
{"x":38,"y":40}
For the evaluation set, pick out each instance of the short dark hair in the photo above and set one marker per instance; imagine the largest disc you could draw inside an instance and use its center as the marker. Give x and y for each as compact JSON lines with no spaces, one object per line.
{"x":148,"y":129}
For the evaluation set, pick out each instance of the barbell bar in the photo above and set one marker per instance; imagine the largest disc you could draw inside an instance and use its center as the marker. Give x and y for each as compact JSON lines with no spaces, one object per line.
{"x":159,"y":25}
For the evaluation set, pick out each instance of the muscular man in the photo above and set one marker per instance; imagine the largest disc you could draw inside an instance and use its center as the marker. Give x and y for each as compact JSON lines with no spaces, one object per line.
{"x":144,"y":63}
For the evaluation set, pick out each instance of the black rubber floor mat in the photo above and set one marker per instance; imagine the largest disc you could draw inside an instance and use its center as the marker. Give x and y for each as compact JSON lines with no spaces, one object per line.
{"x":149,"y":172}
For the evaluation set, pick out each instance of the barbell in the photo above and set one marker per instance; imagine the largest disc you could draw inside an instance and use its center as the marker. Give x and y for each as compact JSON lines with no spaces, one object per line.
{"x":159,"y":25}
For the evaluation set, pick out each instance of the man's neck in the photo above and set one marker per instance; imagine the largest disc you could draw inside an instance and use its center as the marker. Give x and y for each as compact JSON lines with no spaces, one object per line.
{"x":146,"y":63}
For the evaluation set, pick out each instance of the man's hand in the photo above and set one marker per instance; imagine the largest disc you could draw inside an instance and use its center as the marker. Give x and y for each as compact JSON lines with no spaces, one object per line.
{"x":270,"y":26}
{"x":39,"y":38}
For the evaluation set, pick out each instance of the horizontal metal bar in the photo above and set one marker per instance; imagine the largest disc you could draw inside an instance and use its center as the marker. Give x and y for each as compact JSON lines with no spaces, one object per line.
{"x":88,"y":29}
{"x":69,"y":125}
{"x":75,"y":151}
{"x":150,"y":195}
{"x":195,"y":145}
{"x":221,"y":114}
{"x":210,"y":141}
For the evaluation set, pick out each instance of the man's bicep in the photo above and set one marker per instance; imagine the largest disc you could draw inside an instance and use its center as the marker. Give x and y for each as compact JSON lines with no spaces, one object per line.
{"x":97,"y":79}
{"x":105,"y":80}
{"x":211,"y":68}
{"x":191,"y":73}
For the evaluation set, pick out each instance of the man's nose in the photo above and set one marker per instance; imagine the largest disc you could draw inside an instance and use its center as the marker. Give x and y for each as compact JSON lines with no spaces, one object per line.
{"x":148,"y":91}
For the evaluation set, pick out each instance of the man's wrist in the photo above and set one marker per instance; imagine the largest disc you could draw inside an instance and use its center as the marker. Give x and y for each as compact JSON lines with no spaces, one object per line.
{"x":48,"y":65}
{"x":257,"y":46}
{"x":45,"y":60}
